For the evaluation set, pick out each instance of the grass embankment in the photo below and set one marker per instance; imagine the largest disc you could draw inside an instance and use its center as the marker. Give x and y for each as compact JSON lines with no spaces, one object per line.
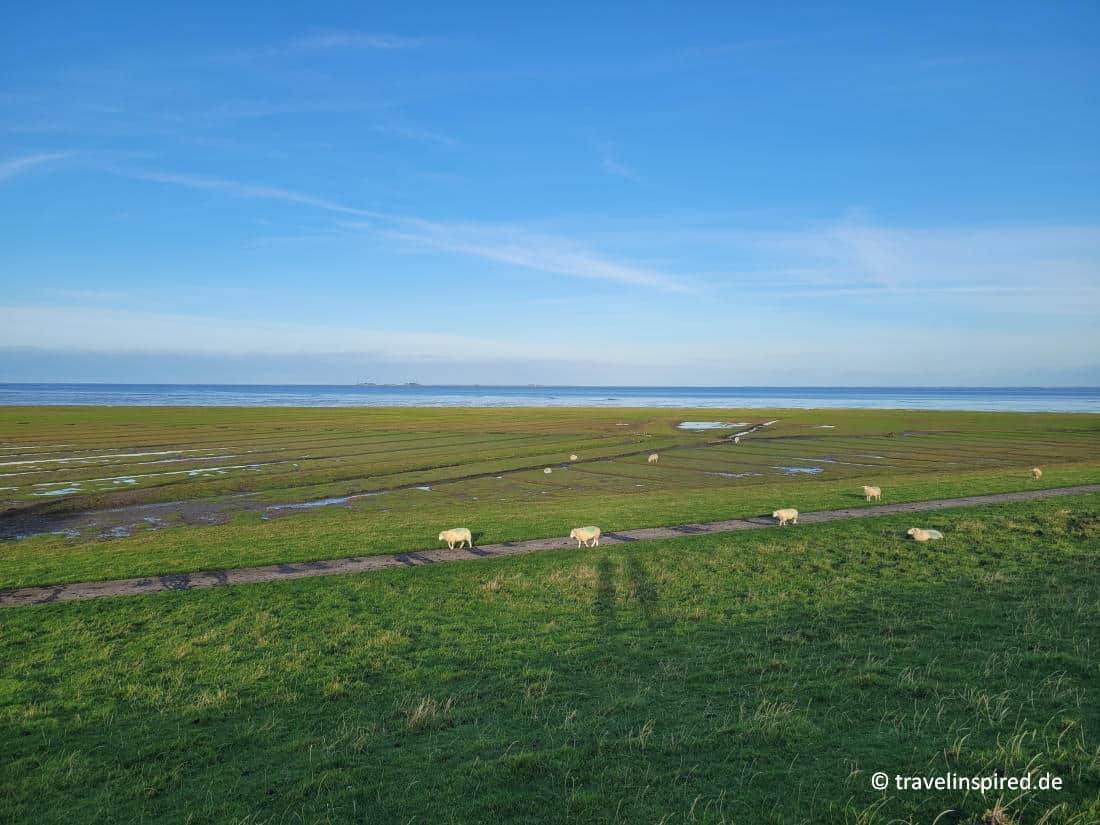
{"x":756,"y":677}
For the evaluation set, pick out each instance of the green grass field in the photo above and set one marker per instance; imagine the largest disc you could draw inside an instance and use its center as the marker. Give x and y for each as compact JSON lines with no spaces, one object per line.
{"x":484,"y":468}
{"x":758,"y":677}
{"x":742,"y":678}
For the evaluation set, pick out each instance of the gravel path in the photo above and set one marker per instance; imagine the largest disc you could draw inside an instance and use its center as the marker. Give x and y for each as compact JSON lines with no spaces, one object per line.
{"x":364,"y":564}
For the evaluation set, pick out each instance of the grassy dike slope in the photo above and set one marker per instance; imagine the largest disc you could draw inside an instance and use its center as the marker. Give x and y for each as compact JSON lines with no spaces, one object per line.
{"x":758,"y":677}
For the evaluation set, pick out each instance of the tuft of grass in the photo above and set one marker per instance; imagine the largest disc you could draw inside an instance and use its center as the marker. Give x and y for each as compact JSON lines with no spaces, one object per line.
{"x":428,"y":712}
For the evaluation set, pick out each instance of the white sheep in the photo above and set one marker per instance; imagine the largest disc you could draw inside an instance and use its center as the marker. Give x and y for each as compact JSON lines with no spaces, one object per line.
{"x":653,"y":458}
{"x":457,"y":536}
{"x":1036,"y":473}
{"x":548,"y":471}
{"x":737,"y":439}
{"x":573,"y":457}
{"x":923,"y":535}
{"x":872,"y":493}
{"x":788,"y":514}
{"x":584,"y":535}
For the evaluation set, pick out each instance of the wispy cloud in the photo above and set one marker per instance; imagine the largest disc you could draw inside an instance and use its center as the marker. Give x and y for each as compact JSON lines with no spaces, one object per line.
{"x":1044,"y":265}
{"x":742,"y":48}
{"x":248,"y":190}
{"x":330,"y":41}
{"x":231,"y":110}
{"x":859,"y":252}
{"x":858,"y":255}
{"x":503,"y":244}
{"x":619,"y":170}
{"x":530,"y":250}
{"x":757,"y":350}
{"x":17,"y":166}
{"x":399,"y":128}
{"x":353,"y":40}
{"x":90,"y":328}
{"x":611,"y":164}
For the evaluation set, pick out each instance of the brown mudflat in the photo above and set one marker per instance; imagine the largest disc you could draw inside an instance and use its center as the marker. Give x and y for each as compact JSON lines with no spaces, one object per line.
{"x":274,"y":572}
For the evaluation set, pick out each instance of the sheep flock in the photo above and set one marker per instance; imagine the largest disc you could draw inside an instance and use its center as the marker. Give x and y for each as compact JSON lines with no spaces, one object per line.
{"x":590,"y":536}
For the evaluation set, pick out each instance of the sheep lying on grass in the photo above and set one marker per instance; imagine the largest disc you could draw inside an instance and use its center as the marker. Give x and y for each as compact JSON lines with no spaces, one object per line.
{"x":573,"y":457}
{"x":924,"y":535}
{"x":872,"y":493}
{"x":788,"y":514}
{"x":653,"y":458}
{"x":1036,"y":473}
{"x":457,"y":536}
{"x":548,"y":471}
{"x":584,"y":535}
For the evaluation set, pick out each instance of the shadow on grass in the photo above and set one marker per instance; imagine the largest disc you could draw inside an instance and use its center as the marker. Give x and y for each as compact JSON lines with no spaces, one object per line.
{"x":636,"y":584}
{"x":605,"y":589}
{"x":644,"y":590}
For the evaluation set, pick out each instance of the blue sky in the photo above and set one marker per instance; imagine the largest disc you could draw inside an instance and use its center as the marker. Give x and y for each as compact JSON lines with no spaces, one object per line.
{"x":636,"y":193}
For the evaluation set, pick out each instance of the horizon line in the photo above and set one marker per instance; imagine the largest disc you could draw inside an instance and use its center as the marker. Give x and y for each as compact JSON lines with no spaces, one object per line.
{"x":407,"y":385}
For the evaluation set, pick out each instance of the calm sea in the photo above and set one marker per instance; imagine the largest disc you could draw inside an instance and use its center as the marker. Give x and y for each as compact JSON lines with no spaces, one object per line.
{"x":1066,"y":399}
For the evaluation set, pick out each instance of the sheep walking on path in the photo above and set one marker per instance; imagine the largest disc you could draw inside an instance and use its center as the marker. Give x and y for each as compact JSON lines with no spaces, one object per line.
{"x":785,"y":516}
{"x":872,"y":493}
{"x":457,"y":536}
{"x":584,"y":535}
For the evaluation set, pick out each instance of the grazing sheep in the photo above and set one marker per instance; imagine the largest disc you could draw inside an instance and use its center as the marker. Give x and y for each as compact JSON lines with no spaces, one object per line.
{"x":737,"y":439}
{"x":788,"y":514}
{"x":872,"y":493}
{"x":653,"y":458}
{"x":457,"y":536}
{"x":573,"y":457}
{"x":923,"y":535}
{"x":1036,"y":473}
{"x":548,"y":471}
{"x":584,"y":535}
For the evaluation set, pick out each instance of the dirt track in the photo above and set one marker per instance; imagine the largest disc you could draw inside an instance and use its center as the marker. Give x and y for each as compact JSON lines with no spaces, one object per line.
{"x":364,"y":564}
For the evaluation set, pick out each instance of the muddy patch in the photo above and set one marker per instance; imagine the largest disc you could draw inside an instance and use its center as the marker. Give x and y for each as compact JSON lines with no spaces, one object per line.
{"x":16,"y":524}
{"x":63,"y":491}
{"x":320,"y":502}
{"x":120,"y":522}
{"x":86,"y":458}
{"x":837,"y":461}
{"x":710,"y":425}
